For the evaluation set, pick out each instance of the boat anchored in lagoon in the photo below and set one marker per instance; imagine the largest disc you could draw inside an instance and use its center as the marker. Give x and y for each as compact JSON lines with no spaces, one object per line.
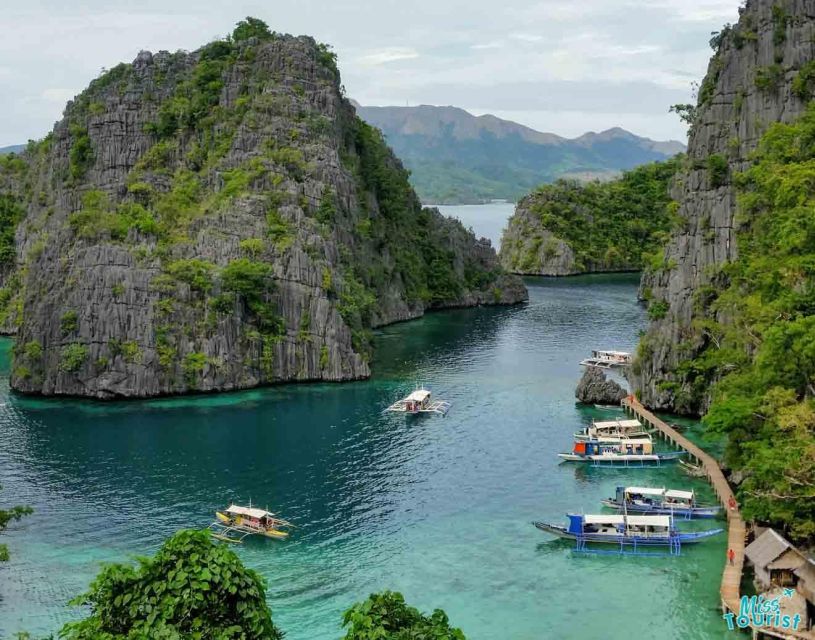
{"x":419,"y":402}
{"x":628,"y":452}
{"x":660,"y":501}
{"x":236,"y":523}
{"x":630,"y":533}
{"x":613,"y":429}
{"x":607,"y":359}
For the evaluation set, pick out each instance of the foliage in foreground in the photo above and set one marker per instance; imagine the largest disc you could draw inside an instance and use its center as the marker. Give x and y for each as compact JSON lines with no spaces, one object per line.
{"x":192,"y":588}
{"x":386,"y":616}
{"x":758,"y":328}
{"x":607,"y":224}
{"x":7,"y":516}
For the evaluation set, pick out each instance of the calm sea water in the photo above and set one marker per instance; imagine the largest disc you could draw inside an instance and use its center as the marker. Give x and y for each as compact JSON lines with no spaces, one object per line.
{"x":438,"y":508}
{"x":486,"y":220}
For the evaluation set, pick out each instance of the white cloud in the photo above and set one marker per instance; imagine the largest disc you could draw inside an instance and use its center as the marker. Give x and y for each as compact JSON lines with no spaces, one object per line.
{"x":390,"y":54}
{"x":526,"y":37}
{"x":58,"y":95}
{"x":497,"y":44}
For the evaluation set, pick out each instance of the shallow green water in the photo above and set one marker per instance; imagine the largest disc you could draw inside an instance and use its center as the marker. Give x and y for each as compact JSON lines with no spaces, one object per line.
{"x":438,"y":508}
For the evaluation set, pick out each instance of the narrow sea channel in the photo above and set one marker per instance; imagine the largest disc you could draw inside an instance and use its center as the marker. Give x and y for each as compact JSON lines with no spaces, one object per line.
{"x":438,"y":508}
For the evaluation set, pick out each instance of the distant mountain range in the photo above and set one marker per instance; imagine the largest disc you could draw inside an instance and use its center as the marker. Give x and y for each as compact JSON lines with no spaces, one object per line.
{"x":15,"y":148}
{"x":456,"y":157}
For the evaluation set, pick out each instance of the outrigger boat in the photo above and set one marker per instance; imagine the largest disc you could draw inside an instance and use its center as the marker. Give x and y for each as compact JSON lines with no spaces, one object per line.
{"x":613,"y":429}
{"x":607,"y":359}
{"x":420,"y":402}
{"x":235,"y":523}
{"x":630,"y":533}
{"x":626,"y":452}
{"x":693,"y":470}
{"x":660,"y":501}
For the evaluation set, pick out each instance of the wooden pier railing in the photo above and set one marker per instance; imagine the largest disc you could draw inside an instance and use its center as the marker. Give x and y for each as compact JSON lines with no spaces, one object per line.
{"x":736,"y":530}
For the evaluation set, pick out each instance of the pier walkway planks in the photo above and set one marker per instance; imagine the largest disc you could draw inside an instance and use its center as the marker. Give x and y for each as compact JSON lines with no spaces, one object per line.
{"x":736,"y":530}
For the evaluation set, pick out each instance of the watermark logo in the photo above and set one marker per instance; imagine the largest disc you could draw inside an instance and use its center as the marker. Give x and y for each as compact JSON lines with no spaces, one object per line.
{"x":756,"y":611}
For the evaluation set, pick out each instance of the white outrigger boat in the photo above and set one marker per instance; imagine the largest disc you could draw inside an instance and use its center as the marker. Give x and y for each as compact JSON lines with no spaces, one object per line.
{"x":630,"y":533}
{"x":235,"y":523}
{"x":419,"y":401}
{"x":613,"y":430}
{"x":632,"y":452}
{"x":660,"y":501}
{"x":608,"y":359}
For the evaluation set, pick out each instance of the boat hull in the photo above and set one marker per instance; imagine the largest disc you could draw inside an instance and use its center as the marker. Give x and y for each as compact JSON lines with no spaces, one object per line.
{"x":691,"y":537}
{"x":239,"y":525}
{"x":633,"y":460}
{"x":692,"y":512}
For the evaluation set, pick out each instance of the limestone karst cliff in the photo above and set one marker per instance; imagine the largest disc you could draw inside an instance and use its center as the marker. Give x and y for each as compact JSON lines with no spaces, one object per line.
{"x":568,"y":227}
{"x":754,"y":79}
{"x":218,"y":220}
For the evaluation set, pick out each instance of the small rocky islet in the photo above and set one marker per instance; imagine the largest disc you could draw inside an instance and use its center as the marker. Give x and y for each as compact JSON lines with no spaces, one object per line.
{"x":218,"y":220}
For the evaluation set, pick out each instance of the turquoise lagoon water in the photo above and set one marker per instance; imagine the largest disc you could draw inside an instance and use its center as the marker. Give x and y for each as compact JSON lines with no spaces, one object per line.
{"x":438,"y":508}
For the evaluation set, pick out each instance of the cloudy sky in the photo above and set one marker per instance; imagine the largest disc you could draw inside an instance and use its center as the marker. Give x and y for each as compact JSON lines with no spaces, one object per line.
{"x":564,"y":66}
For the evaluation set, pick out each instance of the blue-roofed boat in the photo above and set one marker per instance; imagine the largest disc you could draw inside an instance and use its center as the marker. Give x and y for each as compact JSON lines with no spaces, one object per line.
{"x":660,"y":501}
{"x":632,"y":534}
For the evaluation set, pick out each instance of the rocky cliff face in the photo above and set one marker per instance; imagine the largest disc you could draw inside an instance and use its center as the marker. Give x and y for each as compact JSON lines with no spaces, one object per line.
{"x":753,"y":80}
{"x":569,"y":227}
{"x":218,"y":220}
{"x":530,"y":249}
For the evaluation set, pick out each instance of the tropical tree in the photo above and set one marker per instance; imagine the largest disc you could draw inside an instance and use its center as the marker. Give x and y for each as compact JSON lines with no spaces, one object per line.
{"x":386,"y":616}
{"x":192,"y":588}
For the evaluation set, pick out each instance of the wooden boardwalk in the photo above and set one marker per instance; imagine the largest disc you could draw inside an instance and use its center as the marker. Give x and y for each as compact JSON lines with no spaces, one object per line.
{"x":736,"y":530}
{"x":730,"y":589}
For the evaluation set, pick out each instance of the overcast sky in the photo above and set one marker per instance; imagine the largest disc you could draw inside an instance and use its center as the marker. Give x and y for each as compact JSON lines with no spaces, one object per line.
{"x":565,"y":66}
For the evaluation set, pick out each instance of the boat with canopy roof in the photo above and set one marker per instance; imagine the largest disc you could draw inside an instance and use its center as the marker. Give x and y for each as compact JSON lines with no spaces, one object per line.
{"x":607,"y":359}
{"x":656,"y":500}
{"x":619,"y":452}
{"x":419,"y":401}
{"x":632,"y":534}
{"x":235,"y":523}
{"x":613,"y":429}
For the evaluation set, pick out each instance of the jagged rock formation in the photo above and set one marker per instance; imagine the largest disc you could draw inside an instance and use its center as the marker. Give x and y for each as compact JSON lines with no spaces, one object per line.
{"x":569,"y":227}
{"x":595,"y":388}
{"x":750,"y":83}
{"x":218,"y":220}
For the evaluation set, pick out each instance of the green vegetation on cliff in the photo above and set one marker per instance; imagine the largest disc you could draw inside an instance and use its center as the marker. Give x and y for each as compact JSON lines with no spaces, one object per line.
{"x":757,"y":325}
{"x":258,"y":204}
{"x":605,"y":226}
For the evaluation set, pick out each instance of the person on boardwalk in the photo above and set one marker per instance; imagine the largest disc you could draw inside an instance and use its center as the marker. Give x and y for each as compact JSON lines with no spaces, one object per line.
{"x":731,"y":555}
{"x":731,"y":503}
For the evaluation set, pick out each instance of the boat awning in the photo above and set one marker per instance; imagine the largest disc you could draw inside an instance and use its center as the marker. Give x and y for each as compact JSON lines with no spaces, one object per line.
{"x":420,"y":395}
{"x":649,"y":521}
{"x":604,"y":519}
{"x":608,"y":424}
{"x":250,"y":512}
{"x":645,"y":491}
{"x":676,"y":493}
{"x":630,"y":423}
